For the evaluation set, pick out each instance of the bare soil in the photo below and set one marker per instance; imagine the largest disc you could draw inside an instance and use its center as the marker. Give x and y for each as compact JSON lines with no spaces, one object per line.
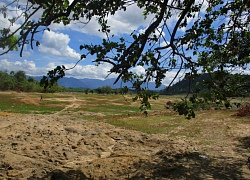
{"x":65,"y":147}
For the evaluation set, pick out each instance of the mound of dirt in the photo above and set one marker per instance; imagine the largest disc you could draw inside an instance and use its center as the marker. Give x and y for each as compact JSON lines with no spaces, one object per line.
{"x":65,"y":147}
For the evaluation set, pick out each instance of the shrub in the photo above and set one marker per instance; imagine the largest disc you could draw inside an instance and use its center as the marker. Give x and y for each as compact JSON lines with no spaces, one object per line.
{"x":244,"y":110}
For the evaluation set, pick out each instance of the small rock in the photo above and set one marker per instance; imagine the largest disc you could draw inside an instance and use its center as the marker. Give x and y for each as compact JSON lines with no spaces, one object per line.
{"x":71,"y":129}
{"x":105,"y":154}
{"x":203,"y":156}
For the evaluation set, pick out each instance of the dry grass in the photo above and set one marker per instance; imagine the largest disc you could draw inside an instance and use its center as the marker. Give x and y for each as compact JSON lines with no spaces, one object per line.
{"x":119,"y":111}
{"x":214,"y":145}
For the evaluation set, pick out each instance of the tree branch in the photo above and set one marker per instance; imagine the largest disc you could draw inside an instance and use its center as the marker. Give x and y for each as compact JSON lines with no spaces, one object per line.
{"x":142,"y":40}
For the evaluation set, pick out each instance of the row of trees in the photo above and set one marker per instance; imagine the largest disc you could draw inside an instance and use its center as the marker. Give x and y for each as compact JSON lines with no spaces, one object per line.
{"x":18,"y":81}
{"x":109,"y":90}
{"x":100,"y":90}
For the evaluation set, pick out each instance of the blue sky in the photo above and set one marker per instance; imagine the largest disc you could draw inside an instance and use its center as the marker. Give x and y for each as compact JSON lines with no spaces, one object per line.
{"x":60,"y":45}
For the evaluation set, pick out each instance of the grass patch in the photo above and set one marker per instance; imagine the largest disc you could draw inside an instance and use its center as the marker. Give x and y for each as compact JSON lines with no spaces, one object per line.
{"x":175,"y":125}
{"x":148,"y":124}
{"x":27,"y":103}
{"x":107,"y":104}
{"x":120,"y":111}
{"x":27,"y":109}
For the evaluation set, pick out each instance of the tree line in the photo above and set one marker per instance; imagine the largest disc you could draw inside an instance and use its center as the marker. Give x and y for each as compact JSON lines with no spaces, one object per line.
{"x":100,"y":90}
{"x":19,"y":81}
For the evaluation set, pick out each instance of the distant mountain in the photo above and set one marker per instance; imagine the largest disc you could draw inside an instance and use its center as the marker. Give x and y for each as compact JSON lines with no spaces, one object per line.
{"x":95,"y":83}
{"x":72,"y":82}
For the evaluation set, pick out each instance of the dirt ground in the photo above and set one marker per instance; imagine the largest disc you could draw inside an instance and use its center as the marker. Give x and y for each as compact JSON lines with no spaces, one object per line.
{"x":65,"y":147}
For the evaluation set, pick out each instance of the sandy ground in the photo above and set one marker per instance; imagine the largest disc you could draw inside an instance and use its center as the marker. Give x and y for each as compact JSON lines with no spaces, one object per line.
{"x":65,"y":147}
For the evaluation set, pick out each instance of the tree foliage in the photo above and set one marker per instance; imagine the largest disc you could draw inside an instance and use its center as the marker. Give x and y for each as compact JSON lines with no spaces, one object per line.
{"x":209,"y":36}
{"x":18,"y":81}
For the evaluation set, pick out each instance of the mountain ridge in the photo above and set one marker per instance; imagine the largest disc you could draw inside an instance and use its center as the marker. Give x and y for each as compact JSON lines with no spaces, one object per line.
{"x":71,"y":82}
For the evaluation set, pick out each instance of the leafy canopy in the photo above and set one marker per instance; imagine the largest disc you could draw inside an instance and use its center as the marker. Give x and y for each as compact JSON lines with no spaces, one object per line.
{"x":208,"y":36}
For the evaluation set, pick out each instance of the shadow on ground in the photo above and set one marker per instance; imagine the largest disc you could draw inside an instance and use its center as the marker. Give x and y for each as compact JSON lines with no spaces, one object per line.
{"x":244,"y":142}
{"x":190,"y":166}
{"x":60,"y":175}
{"x":167,"y":166}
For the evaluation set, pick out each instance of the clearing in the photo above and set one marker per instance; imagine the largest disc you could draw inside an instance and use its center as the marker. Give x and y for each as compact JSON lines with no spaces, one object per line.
{"x":75,"y":142}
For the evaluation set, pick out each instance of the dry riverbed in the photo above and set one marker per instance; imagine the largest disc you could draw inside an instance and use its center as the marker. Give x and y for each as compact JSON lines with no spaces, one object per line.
{"x":66,"y":147}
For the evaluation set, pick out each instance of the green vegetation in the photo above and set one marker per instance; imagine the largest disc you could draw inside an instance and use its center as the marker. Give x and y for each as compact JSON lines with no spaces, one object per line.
{"x":202,"y":84}
{"x":175,"y":125}
{"x":210,"y":37}
{"x":200,"y":92}
{"x":117,"y":110}
{"x":51,"y":103}
{"x":105,"y":104}
{"x":149,"y":124}
{"x":100,"y":90}
{"x":28,"y":103}
{"x":18,"y":81}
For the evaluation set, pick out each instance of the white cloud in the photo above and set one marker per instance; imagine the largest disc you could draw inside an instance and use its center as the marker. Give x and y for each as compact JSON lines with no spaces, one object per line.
{"x":123,"y":22}
{"x":11,"y":13}
{"x":101,"y":71}
{"x":138,"y":70}
{"x":159,"y":33}
{"x":80,"y":71}
{"x":170,"y":76}
{"x":204,"y":5}
{"x":57,"y":44}
{"x":29,"y":67}
{"x":91,"y":28}
{"x":164,"y":43}
{"x":90,"y":71}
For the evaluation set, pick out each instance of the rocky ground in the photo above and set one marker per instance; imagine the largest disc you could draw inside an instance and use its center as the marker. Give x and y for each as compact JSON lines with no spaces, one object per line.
{"x":65,"y":147}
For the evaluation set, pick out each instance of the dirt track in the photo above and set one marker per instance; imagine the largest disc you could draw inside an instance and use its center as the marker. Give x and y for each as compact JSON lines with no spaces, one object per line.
{"x":65,"y":147}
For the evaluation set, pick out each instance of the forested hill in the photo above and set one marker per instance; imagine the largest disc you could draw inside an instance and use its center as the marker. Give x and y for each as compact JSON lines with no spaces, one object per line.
{"x":184,"y":86}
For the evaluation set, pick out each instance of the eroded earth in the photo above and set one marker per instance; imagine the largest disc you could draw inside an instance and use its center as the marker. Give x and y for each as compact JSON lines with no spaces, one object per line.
{"x":58,"y":146}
